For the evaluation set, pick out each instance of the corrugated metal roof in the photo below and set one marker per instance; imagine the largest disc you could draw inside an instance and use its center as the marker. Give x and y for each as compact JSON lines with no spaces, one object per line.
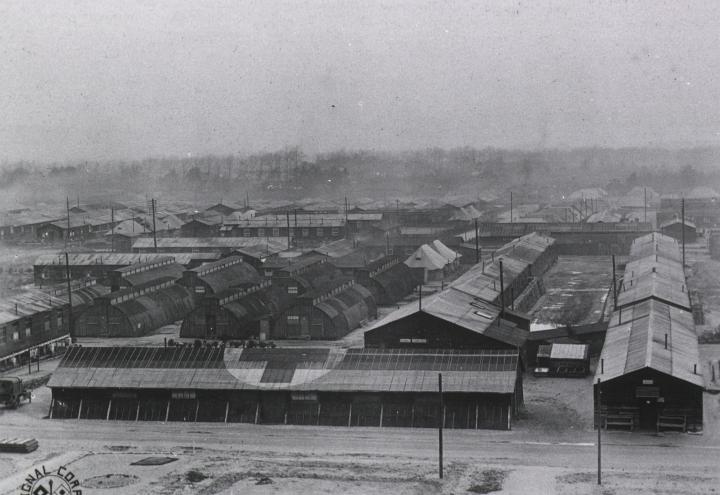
{"x":517,"y":229}
{"x":464,"y":310}
{"x":336,"y":249}
{"x":269,"y":302}
{"x":667,"y":268}
{"x":128,"y":228}
{"x":349,"y":308}
{"x":397,"y":281}
{"x":28,"y":303}
{"x":110,"y":259}
{"x":27,"y":218}
{"x":32,"y":301}
{"x":483,"y":279}
{"x":281,"y":221}
{"x":331,"y":370}
{"x":227,"y":272}
{"x":364,"y":217}
{"x":271,"y":244}
{"x":675,"y":221}
{"x":171,"y":271}
{"x":653,"y":285}
{"x":635,"y":339}
{"x":162,"y":307}
{"x":564,"y":351}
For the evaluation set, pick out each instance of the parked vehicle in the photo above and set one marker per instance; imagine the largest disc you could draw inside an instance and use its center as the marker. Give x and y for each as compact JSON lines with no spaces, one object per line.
{"x":12,"y":391}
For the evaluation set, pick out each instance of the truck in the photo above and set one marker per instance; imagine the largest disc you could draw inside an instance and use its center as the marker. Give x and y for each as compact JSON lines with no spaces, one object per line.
{"x":12,"y":390}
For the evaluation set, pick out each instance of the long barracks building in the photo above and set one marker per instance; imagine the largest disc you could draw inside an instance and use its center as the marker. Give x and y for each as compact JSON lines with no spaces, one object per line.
{"x":314,"y":386}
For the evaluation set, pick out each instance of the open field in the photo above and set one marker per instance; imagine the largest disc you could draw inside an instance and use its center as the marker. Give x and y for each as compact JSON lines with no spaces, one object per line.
{"x":576,"y":291}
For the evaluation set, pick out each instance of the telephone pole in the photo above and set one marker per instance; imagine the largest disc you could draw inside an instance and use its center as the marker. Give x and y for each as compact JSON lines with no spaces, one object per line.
{"x":440,"y":428}
{"x":477,"y":243}
{"x":154,"y":230}
{"x":112,"y":229}
{"x":511,"y":207}
{"x":682,"y":227}
{"x":70,"y":307}
{"x":67,"y":234}
{"x":599,"y":438}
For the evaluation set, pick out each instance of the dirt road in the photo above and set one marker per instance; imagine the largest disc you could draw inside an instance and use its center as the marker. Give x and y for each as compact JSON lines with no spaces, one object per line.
{"x":233,"y":458}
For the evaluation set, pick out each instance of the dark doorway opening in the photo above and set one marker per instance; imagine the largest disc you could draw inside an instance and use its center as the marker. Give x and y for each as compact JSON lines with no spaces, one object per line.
{"x":648,"y":414}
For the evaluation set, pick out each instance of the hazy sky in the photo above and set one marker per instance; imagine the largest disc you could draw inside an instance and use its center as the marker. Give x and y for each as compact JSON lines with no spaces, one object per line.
{"x":105,"y":79}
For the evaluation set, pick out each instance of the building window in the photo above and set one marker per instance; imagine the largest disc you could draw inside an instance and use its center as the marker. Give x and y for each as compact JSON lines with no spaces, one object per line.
{"x":47,"y":324}
{"x":28,"y":331}
{"x":199,"y":289}
{"x":305,"y":232}
{"x":292,"y":289}
{"x":335,"y":231}
{"x":276,"y":232}
{"x":261,"y":233}
{"x":16,"y":335}
{"x":3,"y":336}
{"x":319,"y":232}
{"x":59,"y":321}
{"x":247,"y":233}
{"x":268,"y":273}
{"x":183,"y":395}
{"x":293,"y":320}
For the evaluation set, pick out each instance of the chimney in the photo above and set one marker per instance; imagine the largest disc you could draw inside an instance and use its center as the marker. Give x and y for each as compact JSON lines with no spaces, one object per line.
{"x":502,"y":291}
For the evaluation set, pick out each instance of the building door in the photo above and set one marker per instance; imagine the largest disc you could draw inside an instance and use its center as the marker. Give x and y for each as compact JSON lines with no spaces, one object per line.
{"x":647,"y":396}
{"x":648,"y":413}
{"x":304,"y":327}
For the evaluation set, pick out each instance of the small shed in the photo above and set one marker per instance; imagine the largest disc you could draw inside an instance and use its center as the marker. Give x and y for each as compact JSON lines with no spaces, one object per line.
{"x":674,"y":228}
{"x":452,"y":257}
{"x":565,"y":360}
{"x":426,"y":260}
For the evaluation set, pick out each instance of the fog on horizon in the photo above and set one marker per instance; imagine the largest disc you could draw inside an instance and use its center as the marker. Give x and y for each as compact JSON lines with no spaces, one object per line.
{"x":107,"y":80}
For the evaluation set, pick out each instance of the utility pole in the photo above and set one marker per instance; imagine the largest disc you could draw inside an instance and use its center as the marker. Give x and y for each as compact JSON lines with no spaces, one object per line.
{"x":154,"y":229}
{"x":511,"y":207}
{"x":440,"y":429}
{"x":502,"y":291}
{"x":112,"y":229}
{"x":599,"y":439}
{"x":682,"y":227}
{"x":67,"y":235}
{"x":70,"y":308}
{"x":477,"y":243}
{"x":614,"y":282}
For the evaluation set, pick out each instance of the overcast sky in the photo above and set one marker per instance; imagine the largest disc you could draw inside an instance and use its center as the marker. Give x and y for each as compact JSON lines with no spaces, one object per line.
{"x":104,"y":79}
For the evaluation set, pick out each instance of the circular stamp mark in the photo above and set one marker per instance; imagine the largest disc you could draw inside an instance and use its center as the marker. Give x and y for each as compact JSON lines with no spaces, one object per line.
{"x":42,"y":481}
